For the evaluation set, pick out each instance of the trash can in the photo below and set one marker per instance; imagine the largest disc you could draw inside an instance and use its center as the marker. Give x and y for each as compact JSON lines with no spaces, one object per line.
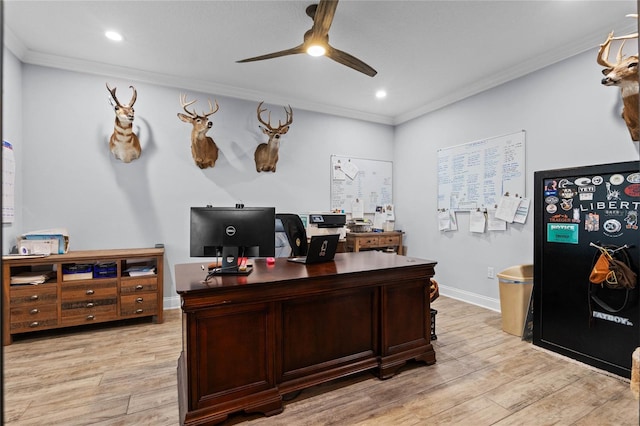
{"x":516,"y":284}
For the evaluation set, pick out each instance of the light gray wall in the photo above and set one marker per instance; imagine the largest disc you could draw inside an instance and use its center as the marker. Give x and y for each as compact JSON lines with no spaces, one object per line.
{"x":570,"y":119}
{"x":71,"y":179}
{"x":67,"y":176}
{"x":12,"y":132}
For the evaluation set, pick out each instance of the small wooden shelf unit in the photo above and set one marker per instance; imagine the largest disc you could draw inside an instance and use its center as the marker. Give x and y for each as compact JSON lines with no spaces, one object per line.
{"x":63,"y":302}
{"x":359,"y":241}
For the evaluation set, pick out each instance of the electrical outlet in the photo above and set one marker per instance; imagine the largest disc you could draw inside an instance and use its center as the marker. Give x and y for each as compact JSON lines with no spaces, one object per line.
{"x":490,"y":272}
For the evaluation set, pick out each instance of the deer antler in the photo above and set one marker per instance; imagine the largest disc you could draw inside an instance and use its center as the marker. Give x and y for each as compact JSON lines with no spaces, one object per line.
{"x":113,"y":95}
{"x":280,"y":125}
{"x":194,"y":114}
{"x":184,"y":104}
{"x":211,"y":110}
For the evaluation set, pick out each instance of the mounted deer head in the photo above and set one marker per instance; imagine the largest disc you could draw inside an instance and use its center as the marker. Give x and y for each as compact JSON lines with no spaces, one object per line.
{"x":124,"y":144}
{"x":266,"y":155}
{"x":624,"y":74}
{"x":203,"y":149}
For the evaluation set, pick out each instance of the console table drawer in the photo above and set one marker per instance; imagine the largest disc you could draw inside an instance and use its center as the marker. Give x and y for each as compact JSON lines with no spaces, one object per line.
{"x":139,"y":304}
{"x":89,"y":315}
{"x":369,"y":242}
{"x":138,"y":284}
{"x":29,"y":318}
{"x":89,"y":291}
{"x":389,"y":241}
{"x":33,"y":295}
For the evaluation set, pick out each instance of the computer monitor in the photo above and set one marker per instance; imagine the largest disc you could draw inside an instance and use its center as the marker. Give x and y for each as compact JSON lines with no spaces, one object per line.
{"x":232,"y":233}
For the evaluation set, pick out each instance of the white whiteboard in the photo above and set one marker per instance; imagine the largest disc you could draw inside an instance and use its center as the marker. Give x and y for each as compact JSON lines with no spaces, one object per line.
{"x":476,"y":174}
{"x":372,"y":184}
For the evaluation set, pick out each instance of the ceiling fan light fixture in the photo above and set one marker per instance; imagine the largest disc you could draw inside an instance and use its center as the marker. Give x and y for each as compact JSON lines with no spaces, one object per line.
{"x":316,"y":50}
{"x":113,"y":35}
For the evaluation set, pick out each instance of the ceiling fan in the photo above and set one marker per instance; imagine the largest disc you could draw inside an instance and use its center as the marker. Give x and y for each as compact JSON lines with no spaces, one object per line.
{"x":316,"y":40}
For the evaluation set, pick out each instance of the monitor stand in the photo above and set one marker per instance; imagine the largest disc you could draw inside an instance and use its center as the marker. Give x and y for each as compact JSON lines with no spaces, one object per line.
{"x":230,"y":264}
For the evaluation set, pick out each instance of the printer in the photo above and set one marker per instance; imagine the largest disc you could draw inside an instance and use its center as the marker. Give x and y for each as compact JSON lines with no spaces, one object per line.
{"x":327,"y":223}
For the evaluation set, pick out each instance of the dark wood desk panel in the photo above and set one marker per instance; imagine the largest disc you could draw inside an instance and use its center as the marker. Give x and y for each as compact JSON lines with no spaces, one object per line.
{"x":248,"y":340}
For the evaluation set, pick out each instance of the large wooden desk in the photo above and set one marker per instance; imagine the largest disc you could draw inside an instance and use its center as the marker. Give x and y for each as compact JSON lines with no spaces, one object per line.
{"x":249,"y":340}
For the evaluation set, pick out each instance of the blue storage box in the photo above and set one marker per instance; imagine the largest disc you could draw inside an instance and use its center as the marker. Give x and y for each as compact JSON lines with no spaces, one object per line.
{"x":105,"y":270}
{"x":77,"y":271}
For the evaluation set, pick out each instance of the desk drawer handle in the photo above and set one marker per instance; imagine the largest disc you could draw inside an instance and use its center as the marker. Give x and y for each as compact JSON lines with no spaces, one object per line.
{"x":139,"y":287}
{"x":139,"y":300}
{"x":139,"y":311}
{"x":34,"y":324}
{"x":34,"y":297}
{"x":90,"y":292}
{"x":34,"y":311}
{"x":90,"y":305}
{"x":91,"y":317}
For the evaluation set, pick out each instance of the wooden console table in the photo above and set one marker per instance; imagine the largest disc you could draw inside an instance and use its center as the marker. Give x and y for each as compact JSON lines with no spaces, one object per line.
{"x":358,"y":241}
{"x":248,"y":340}
{"x":66,"y":301}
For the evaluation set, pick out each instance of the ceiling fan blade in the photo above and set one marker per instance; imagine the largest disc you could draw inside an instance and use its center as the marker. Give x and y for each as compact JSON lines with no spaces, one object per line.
{"x":351,"y":61}
{"x":292,"y":51}
{"x":324,"y":17}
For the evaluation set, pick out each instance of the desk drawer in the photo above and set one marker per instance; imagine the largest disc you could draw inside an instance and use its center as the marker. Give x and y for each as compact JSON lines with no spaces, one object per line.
{"x":367,"y":242}
{"x":389,"y":241}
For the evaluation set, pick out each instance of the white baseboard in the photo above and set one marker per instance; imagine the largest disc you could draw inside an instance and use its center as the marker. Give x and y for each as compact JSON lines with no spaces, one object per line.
{"x":473,"y":298}
{"x":172,"y":302}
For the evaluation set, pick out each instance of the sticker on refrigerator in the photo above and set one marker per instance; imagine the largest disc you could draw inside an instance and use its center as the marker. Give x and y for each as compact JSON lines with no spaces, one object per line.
{"x":592,"y":222}
{"x":631,"y":220}
{"x":566,"y":233}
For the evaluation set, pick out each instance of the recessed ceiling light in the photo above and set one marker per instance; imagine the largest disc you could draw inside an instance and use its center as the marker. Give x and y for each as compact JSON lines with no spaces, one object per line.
{"x":112,"y":35}
{"x":381,"y":94}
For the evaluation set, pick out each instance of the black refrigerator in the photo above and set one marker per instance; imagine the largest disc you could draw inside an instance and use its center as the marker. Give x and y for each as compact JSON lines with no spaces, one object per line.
{"x":578,"y":212}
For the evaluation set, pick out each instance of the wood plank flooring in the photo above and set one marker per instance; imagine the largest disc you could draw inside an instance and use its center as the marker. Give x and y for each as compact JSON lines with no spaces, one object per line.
{"x":126,"y":375}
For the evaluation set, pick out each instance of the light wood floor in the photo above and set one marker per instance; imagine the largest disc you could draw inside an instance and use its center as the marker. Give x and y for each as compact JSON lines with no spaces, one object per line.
{"x":126,"y":375}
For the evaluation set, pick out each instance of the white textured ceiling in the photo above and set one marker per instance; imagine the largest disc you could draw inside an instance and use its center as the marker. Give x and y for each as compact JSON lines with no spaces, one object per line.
{"x":427,"y":53}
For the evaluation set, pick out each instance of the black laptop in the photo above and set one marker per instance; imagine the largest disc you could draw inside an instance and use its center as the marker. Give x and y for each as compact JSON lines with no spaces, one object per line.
{"x":322,"y":248}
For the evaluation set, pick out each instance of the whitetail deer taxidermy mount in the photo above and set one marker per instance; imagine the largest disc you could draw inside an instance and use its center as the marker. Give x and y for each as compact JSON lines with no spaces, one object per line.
{"x":623,"y":74}
{"x":266,"y":155}
{"x":124,"y":144}
{"x":203,"y":149}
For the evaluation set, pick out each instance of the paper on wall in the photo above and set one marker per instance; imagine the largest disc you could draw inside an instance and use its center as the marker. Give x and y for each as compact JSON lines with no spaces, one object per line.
{"x":477,"y":221}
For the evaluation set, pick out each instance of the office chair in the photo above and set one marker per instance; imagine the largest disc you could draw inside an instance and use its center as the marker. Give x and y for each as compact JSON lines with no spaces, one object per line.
{"x":283,"y":248}
{"x":295,"y":231}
